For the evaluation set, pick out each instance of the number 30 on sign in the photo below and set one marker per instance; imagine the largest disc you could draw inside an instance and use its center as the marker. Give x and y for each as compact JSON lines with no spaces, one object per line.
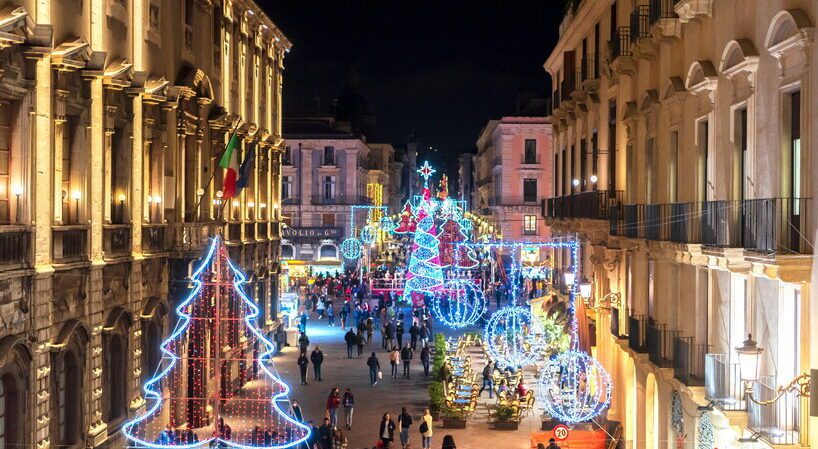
{"x":560,"y":432}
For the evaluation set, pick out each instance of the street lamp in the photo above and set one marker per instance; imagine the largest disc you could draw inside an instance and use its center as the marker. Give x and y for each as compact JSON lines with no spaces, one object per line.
{"x":122,"y":198}
{"x":748,"y":354}
{"x":594,"y":179}
{"x":199,"y":194}
{"x":76,"y":195}
{"x":569,"y":277}
{"x":585,"y":289}
{"x":17,"y":190}
{"x":575,"y":182}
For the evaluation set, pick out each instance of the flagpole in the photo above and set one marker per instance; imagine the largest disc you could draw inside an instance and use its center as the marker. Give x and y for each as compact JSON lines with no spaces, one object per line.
{"x":213,"y":172}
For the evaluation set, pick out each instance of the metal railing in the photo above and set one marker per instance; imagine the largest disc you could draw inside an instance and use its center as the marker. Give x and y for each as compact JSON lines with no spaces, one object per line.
{"x":640,"y":23}
{"x":661,"y":9}
{"x":70,"y":243}
{"x":722,"y":382}
{"x":621,"y":43}
{"x":684,"y":226}
{"x":660,"y":345}
{"x":116,"y":240}
{"x":586,"y":70}
{"x":637,"y":333}
{"x":615,"y":323}
{"x":779,"y":422}
{"x":593,"y":204}
{"x":634,"y":220}
{"x":688,"y":361}
{"x":775,"y":225}
{"x":720,"y":223}
{"x":15,"y":242}
{"x":153,"y":238}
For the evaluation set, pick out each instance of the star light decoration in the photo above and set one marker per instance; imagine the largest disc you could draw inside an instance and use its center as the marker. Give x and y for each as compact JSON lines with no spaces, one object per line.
{"x":460,"y":303}
{"x":197,"y":385}
{"x":426,"y":171}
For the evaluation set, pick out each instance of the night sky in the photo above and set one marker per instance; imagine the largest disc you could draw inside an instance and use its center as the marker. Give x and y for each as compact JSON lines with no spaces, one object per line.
{"x":442,"y":69}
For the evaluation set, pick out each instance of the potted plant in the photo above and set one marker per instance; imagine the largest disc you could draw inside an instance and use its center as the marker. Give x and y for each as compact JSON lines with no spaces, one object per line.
{"x":453,"y":418}
{"x":506,"y":418}
{"x":436,"y":398}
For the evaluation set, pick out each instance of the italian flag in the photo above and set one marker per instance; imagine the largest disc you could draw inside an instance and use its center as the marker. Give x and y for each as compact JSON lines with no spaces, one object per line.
{"x":229,"y":162}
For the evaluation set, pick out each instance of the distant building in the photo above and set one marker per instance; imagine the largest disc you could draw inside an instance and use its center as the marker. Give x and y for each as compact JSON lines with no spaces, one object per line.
{"x":326,"y":171}
{"x":512,"y":175}
{"x":466,"y":177}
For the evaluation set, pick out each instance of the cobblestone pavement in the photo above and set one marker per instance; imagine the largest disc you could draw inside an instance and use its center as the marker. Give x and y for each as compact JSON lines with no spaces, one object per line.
{"x":390,"y":394}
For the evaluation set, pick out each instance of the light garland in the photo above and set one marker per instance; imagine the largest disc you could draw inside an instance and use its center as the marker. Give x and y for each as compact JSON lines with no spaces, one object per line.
{"x":351,"y":248}
{"x":574,"y":387}
{"x":514,"y":337}
{"x":705,"y":438}
{"x":460,"y":303}
{"x":386,"y":224}
{"x":677,"y":418}
{"x":212,"y":313}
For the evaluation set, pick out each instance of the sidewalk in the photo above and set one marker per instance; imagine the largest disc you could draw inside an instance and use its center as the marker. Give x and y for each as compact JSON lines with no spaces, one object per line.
{"x":389,"y":395}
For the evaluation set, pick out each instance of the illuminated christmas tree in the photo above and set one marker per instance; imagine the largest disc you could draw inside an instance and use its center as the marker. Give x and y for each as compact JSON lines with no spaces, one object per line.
{"x":443,"y":190}
{"x":424,"y":274}
{"x":407,"y":223}
{"x":452,"y":254}
{"x":216,"y":383}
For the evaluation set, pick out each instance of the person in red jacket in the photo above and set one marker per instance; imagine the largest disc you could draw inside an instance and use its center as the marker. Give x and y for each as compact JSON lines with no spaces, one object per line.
{"x":333,"y":402}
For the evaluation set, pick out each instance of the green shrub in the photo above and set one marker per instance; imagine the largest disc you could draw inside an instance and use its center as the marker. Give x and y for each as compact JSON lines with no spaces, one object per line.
{"x":505,"y":413}
{"x":453,"y":413}
{"x":436,"y":396}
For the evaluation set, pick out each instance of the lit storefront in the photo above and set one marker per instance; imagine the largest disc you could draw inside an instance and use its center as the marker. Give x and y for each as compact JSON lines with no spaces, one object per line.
{"x":311,"y":251}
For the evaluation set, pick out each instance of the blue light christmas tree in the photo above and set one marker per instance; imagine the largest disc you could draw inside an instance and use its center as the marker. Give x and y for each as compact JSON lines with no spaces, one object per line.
{"x":424,"y":274}
{"x":216,"y":383}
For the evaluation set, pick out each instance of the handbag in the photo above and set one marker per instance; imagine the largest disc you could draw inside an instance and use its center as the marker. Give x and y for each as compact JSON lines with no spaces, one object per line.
{"x":424,"y":427}
{"x":380,"y":375}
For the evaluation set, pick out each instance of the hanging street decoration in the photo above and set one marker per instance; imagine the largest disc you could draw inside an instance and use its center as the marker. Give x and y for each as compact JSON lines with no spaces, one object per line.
{"x":216,"y":384}
{"x":426,"y":171}
{"x":677,"y":418}
{"x":443,"y":190}
{"x":574,"y":387}
{"x":452,"y":254}
{"x":407,"y":222}
{"x":460,"y":303}
{"x":386,"y":224}
{"x":705,"y":438}
{"x":351,"y":248}
{"x":368,"y":235}
{"x":514,"y":337}
{"x":424,"y":275}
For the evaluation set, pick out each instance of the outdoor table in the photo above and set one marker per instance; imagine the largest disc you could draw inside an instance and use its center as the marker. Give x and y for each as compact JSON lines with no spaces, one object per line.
{"x":461,"y":401}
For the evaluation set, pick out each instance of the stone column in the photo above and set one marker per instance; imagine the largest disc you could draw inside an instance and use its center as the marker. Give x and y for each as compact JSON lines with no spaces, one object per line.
{"x":59,"y":147}
{"x":107,"y":158}
{"x":99,"y":136}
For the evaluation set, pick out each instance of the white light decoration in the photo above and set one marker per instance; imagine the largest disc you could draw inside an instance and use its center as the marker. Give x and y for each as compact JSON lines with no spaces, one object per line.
{"x":368,"y":235}
{"x":574,"y":387}
{"x":514,"y":337}
{"x":594,"y":179}
{"x":351,"y":248}
{"x":460,"y":303}
{"x":575,"y":182}
{"x":386,"y":224}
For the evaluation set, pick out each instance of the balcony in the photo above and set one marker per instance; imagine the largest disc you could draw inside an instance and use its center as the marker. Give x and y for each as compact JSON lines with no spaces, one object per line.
{"x":775,"y":225}
{"x":633,"y":221}
{"x":660,"y":345}
{"x":720,"y":223}
{"x":637,"y":333}
{"x":722,"y":383}
{"x":116,"y":240}
{"x":688,"y":361}
{"x":594,"y":205}
{"x":154,"y":238}
{"x":193,"y":236}
{"x":262,"y":232}
{"x":15,"y":244}
{"x":615,"y":323}
{"x":779,"y":422}
{"x":249,"y":231}
{"x":70,"y":243}
{"x":621,"y":43}
{"x":640,"y":23}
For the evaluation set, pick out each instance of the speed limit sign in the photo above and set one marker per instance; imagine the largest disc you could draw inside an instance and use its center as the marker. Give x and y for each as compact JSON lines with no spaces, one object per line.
{"x":560,"y":432}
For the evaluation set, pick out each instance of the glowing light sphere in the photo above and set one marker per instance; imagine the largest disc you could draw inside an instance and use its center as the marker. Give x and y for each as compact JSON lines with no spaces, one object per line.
{"x":386,"y":224}
{"x":466,"y":224}
{"x":514,"y":337}
{"x":351,"y":248}
{"x":574,"y":387}
{"x":460,"y":303}
{"x":368,"y":235}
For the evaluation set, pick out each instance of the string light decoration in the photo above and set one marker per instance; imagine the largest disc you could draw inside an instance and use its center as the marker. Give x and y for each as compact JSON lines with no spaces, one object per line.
{"x":407,"y":222}
{"x":386,"y":224}
{"x":460,"y":303}
{"x":514,"y":337}
{"x":574,"y":387}
{"x":452,"y":254}
{"x":424,"y":275}
{"x":368,"y":234}
{"x":677,"y":418}
{"x":705,"y":439}
{"x":216,"y":384}
{"x":352,"y":248}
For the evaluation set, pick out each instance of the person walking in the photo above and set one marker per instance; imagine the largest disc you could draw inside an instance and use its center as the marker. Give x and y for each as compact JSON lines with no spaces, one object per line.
{"x":387,"y":430}
{"x":359,"y":341}
{"x":448,"y":442}
{"x":424,"y":335}
{"x":399,"y":333}
{"x":333,"y":402}
{"x":320,"y":309}
{"x":406,"y":354}
{"x":414,"y":331}
{"x":425,"y":360}
{"x":303,"y":342}
{"x":302,"y":366}
{"x":343,"y":315}
{"x":389,"y":328}
{"x":303,"y":326}
{"x":349,"y":338}
{"x":426,"y":429}
{"x":370,"y":329}
{"x":488,"y":379}
{"x":330,"y":315}
{"x":394,"y":360}
{"x":404,"y":424}
{"x":296,"y":411}
{"x":317,"y":359}
{"x":348,"y":401}
{"x":552,"y":444}
{"x":374,"y":369}
{"x":325,"y":434}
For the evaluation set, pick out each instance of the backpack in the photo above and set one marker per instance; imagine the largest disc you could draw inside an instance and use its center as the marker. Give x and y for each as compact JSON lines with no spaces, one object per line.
{"x":424,"y":427}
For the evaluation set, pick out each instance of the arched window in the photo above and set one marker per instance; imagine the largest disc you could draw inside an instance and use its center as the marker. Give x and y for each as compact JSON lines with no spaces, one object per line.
{"x":328,"y":252}
{"x":117,"y":377}
{"x":153,"y":355}
{"x":287,"y":252}
{"x":69,"y":401}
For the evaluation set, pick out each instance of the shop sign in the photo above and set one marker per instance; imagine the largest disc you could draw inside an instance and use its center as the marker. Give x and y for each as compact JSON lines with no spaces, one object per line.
{"x":311,"y":233}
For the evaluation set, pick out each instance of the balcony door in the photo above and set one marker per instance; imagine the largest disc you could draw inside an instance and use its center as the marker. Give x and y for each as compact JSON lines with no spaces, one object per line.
{"x":792,"y":175}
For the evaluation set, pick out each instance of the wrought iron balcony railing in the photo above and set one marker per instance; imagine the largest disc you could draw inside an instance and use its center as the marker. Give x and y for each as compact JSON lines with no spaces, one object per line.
{"x":15,"y":244}
{"x":660,"y":345}
{"x":70,"y":243}
{"x":722,"y":382}
{"x":593,"y":205}
{"x":688,"y":361}
{"x":637,"y":333}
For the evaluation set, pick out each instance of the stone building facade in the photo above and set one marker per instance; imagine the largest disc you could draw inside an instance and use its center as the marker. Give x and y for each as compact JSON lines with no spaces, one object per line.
{"x":113,"y":115}
{"x":683,"y":136}
{"x":512,"y":175}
